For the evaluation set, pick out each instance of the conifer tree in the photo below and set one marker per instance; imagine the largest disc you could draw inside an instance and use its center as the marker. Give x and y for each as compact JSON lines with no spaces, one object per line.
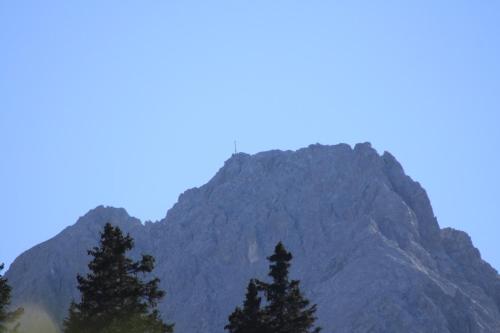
{"x":114,"y":298}
{"x":287,"y":310}
{"x":7,"y":319}
{"x":250,"y":319}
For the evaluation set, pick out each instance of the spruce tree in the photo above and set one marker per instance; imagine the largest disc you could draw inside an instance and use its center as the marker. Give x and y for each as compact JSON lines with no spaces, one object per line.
{"x":287,"y":310}
{"x":7,"y":319}
{"x":114,"y":298}
{"x":250,"y":319}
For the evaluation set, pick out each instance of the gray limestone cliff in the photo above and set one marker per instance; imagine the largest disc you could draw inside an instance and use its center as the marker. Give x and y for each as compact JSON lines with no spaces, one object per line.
{"x":366,"y":244}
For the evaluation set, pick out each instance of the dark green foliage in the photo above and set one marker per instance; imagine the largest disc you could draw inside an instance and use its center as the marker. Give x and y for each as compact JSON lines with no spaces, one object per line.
{"x":286,"y":309}
{"x":7,"y":319}
{"x":250,"y":319}
{"x":114,"y":298}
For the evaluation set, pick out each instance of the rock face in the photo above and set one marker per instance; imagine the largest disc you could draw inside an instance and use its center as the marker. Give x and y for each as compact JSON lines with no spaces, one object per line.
{"x":365,"y":241}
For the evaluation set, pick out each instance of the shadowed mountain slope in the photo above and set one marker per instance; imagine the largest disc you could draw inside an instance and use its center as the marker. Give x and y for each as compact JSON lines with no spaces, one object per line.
{"x":365,"y":241}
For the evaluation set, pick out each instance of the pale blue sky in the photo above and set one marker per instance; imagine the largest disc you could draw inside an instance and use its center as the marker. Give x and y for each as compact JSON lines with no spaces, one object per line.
{"x":129,"y":103}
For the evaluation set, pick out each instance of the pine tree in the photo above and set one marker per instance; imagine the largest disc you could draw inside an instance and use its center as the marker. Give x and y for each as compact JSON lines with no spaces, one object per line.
{"x":287,"y":310}
{"x":114,"y":298}
{"x":250,"y":319}
{"x":7,"y":319}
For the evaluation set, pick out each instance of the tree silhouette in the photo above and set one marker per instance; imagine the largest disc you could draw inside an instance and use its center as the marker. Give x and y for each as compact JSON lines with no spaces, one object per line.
{"x":114,"y":298}
{"x":286,"y":309}
{"x":7,"y":318}
{"x":250,"y":319}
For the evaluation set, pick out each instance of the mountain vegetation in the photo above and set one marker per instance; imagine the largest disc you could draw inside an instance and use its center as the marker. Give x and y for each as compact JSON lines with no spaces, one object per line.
{"x":114,"y":298}
{"x":7,"y":318}
{"x":287,"y":310}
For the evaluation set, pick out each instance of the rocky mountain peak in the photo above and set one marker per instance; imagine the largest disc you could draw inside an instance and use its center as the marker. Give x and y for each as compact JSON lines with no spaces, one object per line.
{"x":366,"y":244}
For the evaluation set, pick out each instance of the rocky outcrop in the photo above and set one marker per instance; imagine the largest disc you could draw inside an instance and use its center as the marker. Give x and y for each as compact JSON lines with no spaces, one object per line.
{"x":367,"y":247}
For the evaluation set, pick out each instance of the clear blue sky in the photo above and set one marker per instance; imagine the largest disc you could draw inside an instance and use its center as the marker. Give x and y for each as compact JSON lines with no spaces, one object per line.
{"x":129,"y":103}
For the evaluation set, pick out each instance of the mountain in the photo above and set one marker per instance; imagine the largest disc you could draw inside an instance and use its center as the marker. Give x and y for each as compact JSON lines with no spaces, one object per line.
{"x":366,"y":244}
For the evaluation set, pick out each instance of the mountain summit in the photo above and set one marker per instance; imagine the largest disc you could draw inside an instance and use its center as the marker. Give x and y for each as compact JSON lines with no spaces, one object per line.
{"x":366,"y":244}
